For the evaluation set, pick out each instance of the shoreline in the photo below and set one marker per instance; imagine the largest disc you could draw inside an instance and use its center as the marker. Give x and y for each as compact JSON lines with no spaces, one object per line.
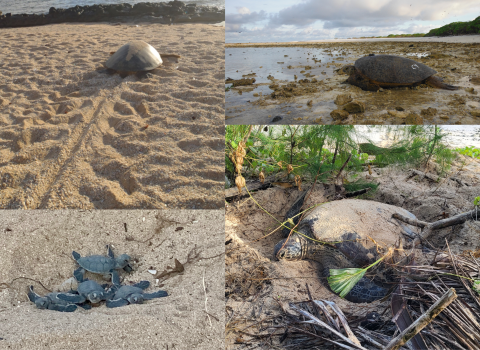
{"x":464,"y":39}
{"x":163,"y":13}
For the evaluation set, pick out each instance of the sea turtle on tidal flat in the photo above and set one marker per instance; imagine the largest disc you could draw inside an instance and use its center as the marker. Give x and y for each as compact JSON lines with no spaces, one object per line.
{"x":386,"y":71}
{"x":354,"y":233}
{"x":104,"y":265}
{"x":125,"y":295}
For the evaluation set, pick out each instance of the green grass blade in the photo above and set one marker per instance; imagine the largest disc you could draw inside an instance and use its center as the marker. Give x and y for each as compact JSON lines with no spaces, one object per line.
{"x":342,"y":281}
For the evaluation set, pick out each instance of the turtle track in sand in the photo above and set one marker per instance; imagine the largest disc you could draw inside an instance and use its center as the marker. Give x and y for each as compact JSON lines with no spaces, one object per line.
{"x":72,"y":136}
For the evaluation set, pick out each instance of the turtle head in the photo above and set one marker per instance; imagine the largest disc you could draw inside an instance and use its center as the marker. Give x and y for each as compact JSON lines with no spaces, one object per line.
{"x":42,"y":303}
{"x":289,"y":249}
{"x":349,"y":70}
{"x":135,"y":298}
{"x":122,"y":261}
{"x":95,"y":297}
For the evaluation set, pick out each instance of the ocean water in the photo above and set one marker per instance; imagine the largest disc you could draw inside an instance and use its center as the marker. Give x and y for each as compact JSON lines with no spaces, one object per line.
{"x":42,"y":6}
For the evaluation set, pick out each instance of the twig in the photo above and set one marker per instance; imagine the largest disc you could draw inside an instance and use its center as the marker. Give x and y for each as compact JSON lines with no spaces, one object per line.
{"x":423,"y":320}
{"x":206,"y":298}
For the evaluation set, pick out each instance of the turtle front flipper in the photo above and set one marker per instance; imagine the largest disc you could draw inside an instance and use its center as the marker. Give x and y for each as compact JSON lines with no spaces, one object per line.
{"x":116,"y":303}
{"x":436,"y":82}
{"x":63,"y":308}
{"x":293,"y":213}
{"x":142,"y":284}
{"x":157,"y":294}
{"x":71,"y":298}
{"x":32,"y":296}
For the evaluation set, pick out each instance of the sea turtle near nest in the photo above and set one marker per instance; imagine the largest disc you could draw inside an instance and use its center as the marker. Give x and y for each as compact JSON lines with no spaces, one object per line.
{"x":352,"y":233}
{"x":387,"y":71}
{"x":51,"y":301}
{"x":135,"y":294}
{"x":136,"y":56}
{"x":104,"y":265}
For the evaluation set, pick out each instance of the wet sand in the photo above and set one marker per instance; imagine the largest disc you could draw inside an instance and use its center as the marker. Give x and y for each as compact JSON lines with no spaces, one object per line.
{"x":74,"y":136}
{"x":36,"y":248}
{"x":456,"y":60}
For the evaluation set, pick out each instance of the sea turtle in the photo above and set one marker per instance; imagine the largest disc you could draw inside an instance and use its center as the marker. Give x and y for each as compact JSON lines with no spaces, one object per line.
{"x":384,"y":71}
{"x":125,"y":295}
{"x":86,"y":290}
{"x":136,"y":56}
{"x":354,"y":233}
{"x":104,"y":265}
{"x":50,"y":301}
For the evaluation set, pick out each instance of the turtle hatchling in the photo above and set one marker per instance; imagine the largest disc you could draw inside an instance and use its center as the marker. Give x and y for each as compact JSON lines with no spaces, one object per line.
{"x":50,"y":302}
{"x":350,"y":233}
{"x":125,"y":295}
{"x":86,"y":290}
{"x":100,"y":264}
{"x":386,"y":71}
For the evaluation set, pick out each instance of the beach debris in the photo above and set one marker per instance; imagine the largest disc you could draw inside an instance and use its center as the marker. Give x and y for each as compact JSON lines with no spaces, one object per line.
{"x":428,"y":112}
{"x":339,"y":114}
{"x":240,"y":82}
{"x":414,"y":119}
{"x":276,"y":119}
{"x":347,"y":246}
{"x":50,"y":302}
{"x":354,"y":107}
{"x":475,"y":113}
{"x":343,"y":99}
{"x":135,"y":294}
{"x":136,"y":56}
{"x":100,"y":264}
{"x":386,"y":71}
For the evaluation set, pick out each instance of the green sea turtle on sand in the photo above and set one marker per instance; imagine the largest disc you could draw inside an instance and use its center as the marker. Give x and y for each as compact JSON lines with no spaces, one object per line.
{"x":125,"y":295}
{"x":86,"y":290}
{"x":355,"y":233}
{"x":137,"y":56}
{"x":386,"y":71}
{"x":104,"y":265}
{"x":51,"y":301}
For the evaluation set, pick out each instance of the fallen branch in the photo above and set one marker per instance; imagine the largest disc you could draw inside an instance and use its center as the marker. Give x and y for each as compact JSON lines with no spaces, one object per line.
{"x":423,"y":320}
{"x":429,"y":227}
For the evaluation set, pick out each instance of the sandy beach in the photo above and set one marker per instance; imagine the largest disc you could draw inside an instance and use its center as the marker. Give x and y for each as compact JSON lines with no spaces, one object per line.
{"x":36,"y":250}
{"x":311,"y":98}
{"x":74,"y":136}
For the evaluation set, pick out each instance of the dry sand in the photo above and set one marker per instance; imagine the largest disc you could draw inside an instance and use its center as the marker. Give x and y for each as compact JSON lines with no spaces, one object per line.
{"x":456,"y":60}
{"x":73,"y":136}
{"x":37,"y":245}
{"x":257,"y":285}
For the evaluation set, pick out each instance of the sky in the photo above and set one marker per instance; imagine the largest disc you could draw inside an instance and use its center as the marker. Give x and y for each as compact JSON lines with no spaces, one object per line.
{"x":303,"y":20}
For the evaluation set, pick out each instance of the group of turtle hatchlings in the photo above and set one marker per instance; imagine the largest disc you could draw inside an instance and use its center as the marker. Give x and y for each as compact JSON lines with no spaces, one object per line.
{"x":90,"y":292}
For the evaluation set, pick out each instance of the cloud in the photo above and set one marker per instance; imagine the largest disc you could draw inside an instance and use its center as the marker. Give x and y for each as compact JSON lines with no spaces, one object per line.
{"x":237,"y":21}
{"x":375,"y":13}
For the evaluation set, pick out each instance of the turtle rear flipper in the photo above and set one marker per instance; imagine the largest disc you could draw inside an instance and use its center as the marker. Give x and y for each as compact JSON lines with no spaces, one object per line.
{"x":157,"y":294}
{"x":142,"y":284}
{"x":76,"y":256}
{"x":72,"y":298}
{"x":436,"y":82}
{"x":117,"y":303}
